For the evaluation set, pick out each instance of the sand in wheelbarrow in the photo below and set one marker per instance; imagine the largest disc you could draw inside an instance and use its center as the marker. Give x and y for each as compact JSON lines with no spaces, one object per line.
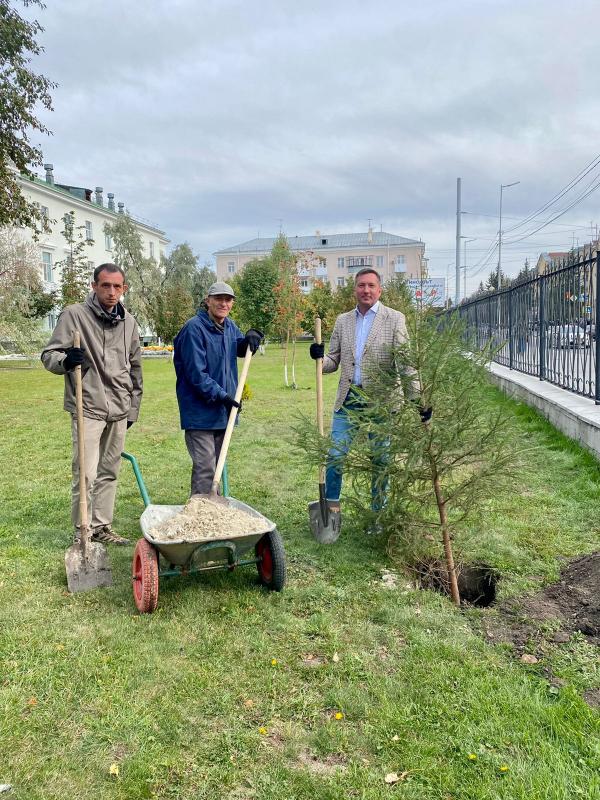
{"x":201,"y":519}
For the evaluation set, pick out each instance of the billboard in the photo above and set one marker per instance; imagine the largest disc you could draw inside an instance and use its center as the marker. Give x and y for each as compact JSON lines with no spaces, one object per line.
{"x":431,"y":291}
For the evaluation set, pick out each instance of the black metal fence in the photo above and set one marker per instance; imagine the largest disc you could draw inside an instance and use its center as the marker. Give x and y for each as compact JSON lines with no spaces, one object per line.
{"x":546,"y":326}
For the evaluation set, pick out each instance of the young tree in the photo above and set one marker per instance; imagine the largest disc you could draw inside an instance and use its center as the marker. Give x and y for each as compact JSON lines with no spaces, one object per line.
{"x":289,"y":302}
{"x":21,"y":90}
{"x":254,"y":287}
{"x":75,"y":272}
{"x":438,"y":474}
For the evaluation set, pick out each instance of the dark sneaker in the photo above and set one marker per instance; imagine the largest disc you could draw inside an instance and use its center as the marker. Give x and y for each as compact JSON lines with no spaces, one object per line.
{"x":107,"y":535}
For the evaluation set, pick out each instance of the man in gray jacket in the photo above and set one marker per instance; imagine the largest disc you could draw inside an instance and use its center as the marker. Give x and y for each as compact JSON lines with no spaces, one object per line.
{"x":363,"y":339}
{"x":111,"y":370}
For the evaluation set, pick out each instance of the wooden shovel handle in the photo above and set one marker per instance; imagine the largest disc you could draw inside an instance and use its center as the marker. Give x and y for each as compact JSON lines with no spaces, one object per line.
{"x":83,"y":511}
{"x":319,"y":363}
{"x":231,"y":422}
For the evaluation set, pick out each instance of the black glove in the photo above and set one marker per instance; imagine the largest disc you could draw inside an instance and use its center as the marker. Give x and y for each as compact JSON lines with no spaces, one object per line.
{"x":230,"y":403}
{"x":425,"y":413}
{"x":129,"y":423}
{"x":74,"y":358}
{"x":251,"y":340}
{"x":317,"y":350}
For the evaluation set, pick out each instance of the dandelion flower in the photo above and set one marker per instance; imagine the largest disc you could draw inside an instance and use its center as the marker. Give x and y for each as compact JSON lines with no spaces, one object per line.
{"x":262,"y":731}
{"x":339,"y":715}
{"x":472,"y":757}
{"x":274,"y":662}
{"x":504,"y":768}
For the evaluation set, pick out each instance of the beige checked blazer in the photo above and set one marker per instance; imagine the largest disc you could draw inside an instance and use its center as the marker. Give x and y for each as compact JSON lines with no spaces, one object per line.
{"x":388,"y":331}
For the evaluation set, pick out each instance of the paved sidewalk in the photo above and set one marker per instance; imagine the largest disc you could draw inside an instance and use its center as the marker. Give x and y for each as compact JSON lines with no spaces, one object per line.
{"x":577,"y":417}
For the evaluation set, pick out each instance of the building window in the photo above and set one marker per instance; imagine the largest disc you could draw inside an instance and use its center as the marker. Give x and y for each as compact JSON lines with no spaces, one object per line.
{"x":151,"y":246}
{"x":51,"y":321}
{"x":379,"y":261}
{"x":91,"y":269}
{"x":89,"y":235}
{"x":360,"y":261}
{"x":231,"y":267}
{"x":108,"y":241}
{"x":341,"y":281}
{"x":400,"y":263}
{"x":304,"y":283}
{"x":340,"y":263}
{"x":47,"y":266}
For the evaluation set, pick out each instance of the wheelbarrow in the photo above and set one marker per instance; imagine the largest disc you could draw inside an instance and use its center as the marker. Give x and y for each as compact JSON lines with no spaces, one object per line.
{"x":154,"y":559}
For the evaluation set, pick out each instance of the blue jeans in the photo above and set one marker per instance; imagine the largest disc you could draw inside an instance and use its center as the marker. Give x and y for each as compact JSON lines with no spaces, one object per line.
{"x":343,"y":430}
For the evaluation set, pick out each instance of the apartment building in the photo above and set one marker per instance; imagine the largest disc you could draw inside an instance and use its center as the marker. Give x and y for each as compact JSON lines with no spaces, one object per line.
{"x":91,"y":213}
{"x":334,"y":258}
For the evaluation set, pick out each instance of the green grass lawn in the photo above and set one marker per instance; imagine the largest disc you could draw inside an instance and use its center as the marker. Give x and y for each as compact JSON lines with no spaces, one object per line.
{"x":228,"y":691}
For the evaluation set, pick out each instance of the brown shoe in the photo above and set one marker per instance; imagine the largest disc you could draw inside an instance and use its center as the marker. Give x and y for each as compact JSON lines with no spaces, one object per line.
{"x":107,"y":535}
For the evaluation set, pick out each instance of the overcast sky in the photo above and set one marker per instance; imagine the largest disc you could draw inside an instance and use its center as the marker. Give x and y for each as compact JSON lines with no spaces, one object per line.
{"x":217,"y":120}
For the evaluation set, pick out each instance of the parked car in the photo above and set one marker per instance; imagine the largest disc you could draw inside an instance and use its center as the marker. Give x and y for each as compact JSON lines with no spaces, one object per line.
{"x":568,"y":336}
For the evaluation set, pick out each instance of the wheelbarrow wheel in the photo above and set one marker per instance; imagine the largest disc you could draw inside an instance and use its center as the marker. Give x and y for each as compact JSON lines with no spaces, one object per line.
{"x":271,"y":561}
{"x":145,"y":577}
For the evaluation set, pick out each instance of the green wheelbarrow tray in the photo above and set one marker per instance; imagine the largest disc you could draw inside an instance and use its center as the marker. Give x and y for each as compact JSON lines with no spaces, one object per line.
{"x":203,"y":553}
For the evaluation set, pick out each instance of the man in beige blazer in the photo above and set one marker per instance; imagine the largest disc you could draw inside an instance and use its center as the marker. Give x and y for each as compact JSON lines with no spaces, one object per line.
{"x":362,"y":339}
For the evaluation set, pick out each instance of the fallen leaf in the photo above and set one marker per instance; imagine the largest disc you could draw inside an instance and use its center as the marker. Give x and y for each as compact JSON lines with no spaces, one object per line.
{"x":395,"y":738}
{"x":248,"y":703}
{"x":114,"y":770}
{"x":417,"y":612}
{"x":527,"y":658}
{"x":32,"y":701}
{"x":392,"y":777}
{"x":335,"y":658}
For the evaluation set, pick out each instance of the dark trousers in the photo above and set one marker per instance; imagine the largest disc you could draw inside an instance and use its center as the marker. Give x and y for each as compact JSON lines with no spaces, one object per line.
{"x":204,"y":448}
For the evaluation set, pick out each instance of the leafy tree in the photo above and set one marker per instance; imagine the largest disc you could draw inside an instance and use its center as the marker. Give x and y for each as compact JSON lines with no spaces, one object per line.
{"x":173,"y":306}
{"x":23,"y":300}
{"x":396,"y":294}
{"x":179,"y":267}
{"x":21,"y":90}
{"x":144,"y":276}
{"x":254,"y":288}
{"x":204,"y":277}
{"x":344,"y":299}
{"x":75,"y":272}
{"x":319,"y":303}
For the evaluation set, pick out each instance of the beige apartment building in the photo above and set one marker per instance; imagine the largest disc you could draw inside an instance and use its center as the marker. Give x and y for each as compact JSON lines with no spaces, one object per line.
{"x":334,"y":258}
{"x":91,"y":212}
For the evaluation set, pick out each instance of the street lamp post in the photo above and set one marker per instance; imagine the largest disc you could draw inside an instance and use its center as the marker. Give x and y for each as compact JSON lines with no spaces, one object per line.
{"x":502,"y":187}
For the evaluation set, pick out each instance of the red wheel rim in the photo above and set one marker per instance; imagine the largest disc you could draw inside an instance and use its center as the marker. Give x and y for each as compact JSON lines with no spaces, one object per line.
{"x":138,"y":590}
{"x":266,"y":563}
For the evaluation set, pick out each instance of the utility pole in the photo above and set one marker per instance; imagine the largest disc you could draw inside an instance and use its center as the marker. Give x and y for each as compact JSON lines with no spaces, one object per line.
{"x":458,"y":238}
{"x":465,"y":263}
{"x":502,"y":187}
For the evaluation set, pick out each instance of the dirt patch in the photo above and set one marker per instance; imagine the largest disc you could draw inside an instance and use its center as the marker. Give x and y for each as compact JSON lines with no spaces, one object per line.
{"x":322,"y":766}
{"x":573,"y":602}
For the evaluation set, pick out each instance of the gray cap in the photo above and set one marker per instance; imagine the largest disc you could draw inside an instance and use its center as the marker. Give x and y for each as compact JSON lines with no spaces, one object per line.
{"x":221,"y":288}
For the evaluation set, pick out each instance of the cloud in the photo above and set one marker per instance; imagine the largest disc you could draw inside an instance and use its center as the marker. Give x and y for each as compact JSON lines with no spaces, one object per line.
{"x":217,"y":119}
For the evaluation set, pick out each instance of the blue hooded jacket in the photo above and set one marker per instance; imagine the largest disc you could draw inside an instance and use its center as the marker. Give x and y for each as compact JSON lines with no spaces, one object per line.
{"x":206,"y":367}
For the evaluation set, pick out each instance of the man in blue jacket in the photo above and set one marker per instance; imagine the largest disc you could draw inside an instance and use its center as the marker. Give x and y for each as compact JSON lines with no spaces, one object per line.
{"x":205,"y":358}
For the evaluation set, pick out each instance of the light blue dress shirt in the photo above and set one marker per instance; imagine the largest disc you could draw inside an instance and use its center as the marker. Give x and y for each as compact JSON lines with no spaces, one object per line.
{"x":363,"y":328}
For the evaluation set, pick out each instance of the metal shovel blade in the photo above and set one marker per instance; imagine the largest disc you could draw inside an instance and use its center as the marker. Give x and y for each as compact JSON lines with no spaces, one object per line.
{"x":87,"y":567}
{"x":324,"y":524}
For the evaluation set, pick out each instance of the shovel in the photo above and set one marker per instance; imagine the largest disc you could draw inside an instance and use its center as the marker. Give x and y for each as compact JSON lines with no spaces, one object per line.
{"x":324,"y":524}
{"x":86,"y":562}
{"x":214,"y":489}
